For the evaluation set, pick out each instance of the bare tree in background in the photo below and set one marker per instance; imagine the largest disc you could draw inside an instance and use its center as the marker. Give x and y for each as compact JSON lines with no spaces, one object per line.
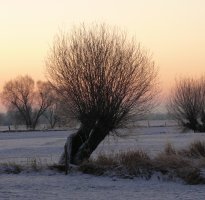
{"x":52,"y":114}
{"x":187,"y":103}
{"x":21,"y":95}
{"x":104,"y":79}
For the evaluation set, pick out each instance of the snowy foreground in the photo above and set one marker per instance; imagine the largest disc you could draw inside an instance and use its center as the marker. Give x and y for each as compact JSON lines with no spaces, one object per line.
{"x":79,"y":186}
{"x":47,"y":146}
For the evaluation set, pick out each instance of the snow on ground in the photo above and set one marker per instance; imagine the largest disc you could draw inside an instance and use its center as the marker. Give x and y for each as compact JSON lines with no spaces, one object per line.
{"x":87,"y":187}
{"x":48,"y":146}
{"x":38,"y":144}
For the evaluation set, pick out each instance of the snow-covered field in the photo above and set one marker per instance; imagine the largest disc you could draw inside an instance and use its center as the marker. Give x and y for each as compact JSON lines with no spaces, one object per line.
{"x":48,"y":146}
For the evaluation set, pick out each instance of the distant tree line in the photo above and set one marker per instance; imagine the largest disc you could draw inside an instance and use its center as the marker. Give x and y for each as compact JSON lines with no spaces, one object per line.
{"x":30,"y":104}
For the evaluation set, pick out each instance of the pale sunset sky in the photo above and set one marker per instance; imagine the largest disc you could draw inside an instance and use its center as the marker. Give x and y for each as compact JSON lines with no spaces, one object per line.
{"x":172,"y":30}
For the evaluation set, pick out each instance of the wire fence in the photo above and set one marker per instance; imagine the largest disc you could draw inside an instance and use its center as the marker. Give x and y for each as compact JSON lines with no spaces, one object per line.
{"x":134,"y":123}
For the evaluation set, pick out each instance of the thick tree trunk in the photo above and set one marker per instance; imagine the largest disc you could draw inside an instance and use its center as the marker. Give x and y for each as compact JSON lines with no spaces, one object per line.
{"x":81,"y":144}
{"x":97,"y":135}
{"x":74,"y":141}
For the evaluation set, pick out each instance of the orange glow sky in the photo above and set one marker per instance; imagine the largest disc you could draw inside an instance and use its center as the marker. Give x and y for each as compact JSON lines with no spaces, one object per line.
{"x":173,"y":31}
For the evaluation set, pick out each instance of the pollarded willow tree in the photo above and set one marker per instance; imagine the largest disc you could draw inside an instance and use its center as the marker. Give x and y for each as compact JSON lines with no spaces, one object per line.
{"x":104,"y":79}
{"x":187,"y":103}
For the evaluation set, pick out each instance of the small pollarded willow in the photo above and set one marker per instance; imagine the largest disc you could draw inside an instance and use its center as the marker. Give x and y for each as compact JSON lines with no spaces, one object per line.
{"x":104,"y":78}
{"x":187,"y":103}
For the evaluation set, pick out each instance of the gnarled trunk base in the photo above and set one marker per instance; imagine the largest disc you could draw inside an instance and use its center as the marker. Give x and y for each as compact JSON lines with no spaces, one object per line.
{"x":80,"y":145}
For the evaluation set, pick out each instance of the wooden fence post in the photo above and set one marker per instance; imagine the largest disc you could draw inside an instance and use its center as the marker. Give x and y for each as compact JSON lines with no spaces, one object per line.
{"x":66,"y":159}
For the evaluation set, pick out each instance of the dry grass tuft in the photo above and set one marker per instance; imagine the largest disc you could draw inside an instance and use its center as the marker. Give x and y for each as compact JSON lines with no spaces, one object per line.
{"x":134,"y":158}
{"x":170,"y":150}
{"x":106,"y":160}
{"x":100,"y":165}
{"x":32,"y":165}
{"x":135,"y":163}
{"x":191,"y":175}
{"x":93,"y":168}
{"x":166,"y":162}
{"x":177,"y":166}
{"x":197,"y":149}
{"x":11,"y":168}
